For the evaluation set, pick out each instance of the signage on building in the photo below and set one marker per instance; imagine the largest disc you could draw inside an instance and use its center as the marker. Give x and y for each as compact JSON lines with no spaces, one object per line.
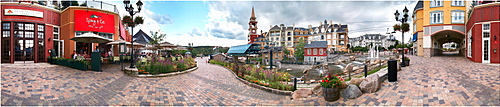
{"x":94,"y":21}
{"x":22,"y":12}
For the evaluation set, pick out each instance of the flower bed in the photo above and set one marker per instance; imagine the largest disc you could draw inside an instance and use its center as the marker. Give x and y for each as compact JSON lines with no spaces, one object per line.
{"x":268,"y":78}
{"x":73,"y":63}
{"x":160,"y":65}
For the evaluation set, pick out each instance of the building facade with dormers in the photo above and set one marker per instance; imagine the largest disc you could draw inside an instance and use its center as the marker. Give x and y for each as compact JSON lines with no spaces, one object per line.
{"x":373,"y":39}
{"x":335,"y":35}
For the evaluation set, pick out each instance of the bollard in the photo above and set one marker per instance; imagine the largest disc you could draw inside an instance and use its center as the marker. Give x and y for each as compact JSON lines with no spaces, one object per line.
{"x":294,"y":83}
{"x":366,"y":70}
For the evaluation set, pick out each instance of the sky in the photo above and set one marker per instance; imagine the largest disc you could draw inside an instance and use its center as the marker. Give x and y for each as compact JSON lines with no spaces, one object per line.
{"x":225,"y":23}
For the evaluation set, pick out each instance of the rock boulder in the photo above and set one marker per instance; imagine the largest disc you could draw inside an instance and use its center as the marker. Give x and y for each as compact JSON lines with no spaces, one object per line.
{"x":301,"y":93}
{"x":351,"y":92}
{"x":318,"y":90}
{"x":356,"y":81}
{"x":370,"y":84}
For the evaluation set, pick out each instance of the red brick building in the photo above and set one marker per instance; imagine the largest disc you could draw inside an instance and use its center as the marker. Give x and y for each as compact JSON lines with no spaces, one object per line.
{"x":315,"y":51}
{"x":483,"y":33}
{"x":27,"y":31}
{"x":31,"y":28}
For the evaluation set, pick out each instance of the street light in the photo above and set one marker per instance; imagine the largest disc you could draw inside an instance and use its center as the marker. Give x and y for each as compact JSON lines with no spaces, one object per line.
{"x":402,"y":20}
{"x":130,"y":10}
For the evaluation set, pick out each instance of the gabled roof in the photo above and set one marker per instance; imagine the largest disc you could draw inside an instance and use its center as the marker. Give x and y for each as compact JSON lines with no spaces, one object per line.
{"x":317,"y":44}
{"x":275,"y":28}
{"x":141,"y":37}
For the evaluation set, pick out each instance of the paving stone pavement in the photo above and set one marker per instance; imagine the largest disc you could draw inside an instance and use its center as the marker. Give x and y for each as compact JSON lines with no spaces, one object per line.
{"x":431,"y":81}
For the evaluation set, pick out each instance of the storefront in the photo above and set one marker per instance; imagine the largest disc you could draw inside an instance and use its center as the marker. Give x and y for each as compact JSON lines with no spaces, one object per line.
{"x":80,"y":20}
{"x":27,"y":32}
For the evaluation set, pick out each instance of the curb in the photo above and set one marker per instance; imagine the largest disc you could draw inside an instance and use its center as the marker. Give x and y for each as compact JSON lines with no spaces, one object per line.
{"x":272,"y":90}
{"x":130,"y":72}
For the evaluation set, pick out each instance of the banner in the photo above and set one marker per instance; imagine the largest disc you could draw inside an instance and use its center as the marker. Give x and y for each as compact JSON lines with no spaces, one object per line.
{"x":94,"y":21}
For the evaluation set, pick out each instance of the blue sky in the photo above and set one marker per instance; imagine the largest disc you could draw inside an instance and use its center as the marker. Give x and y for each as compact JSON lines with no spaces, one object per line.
{"x":225,"y":23}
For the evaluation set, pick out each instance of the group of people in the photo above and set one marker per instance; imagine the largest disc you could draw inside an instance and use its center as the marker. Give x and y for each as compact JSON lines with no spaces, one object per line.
{"x":83,"y":52}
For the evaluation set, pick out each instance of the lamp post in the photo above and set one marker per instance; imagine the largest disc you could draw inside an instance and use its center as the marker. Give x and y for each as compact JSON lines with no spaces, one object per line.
{"x":402,"y":20}
{"x":130,"y":10}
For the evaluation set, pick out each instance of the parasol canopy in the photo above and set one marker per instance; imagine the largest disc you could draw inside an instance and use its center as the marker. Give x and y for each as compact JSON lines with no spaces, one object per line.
{"x":116,"y":42}
{"x":90,"y":38}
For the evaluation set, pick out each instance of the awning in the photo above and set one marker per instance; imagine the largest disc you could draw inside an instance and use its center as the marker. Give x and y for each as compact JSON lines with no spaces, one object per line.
{"x":239,"y":49}
{"x":415,"y":37}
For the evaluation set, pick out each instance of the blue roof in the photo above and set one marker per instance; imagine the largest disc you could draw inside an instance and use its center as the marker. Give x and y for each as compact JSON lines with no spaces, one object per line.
{"x":239,"y":49}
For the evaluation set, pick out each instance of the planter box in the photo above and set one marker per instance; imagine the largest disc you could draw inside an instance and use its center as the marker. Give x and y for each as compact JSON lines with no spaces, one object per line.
{"x":407,"y":63}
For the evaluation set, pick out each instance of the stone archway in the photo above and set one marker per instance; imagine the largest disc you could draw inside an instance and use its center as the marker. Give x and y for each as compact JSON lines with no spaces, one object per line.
{"x":446,"y":36}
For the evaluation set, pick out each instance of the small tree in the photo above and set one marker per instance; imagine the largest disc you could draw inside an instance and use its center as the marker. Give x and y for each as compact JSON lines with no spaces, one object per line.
{"x":299,"y":52}
{"x":156,"y":37}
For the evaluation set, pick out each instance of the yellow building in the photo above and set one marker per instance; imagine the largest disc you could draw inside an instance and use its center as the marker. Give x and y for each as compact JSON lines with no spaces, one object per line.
{"x":437,"y":22}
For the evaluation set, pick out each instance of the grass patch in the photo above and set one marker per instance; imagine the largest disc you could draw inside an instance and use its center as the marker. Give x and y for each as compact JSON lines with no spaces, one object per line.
{"x":373,"y":71}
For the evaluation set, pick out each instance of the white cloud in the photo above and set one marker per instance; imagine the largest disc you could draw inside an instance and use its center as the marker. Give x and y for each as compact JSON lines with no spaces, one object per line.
{"x":362,"y":17}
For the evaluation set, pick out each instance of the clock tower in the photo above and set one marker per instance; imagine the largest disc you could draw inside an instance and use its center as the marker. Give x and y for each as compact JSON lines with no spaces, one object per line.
{"x":252,"y":28}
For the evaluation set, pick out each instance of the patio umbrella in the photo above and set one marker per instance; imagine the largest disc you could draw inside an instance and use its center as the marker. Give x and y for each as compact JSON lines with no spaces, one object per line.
{"x":90,"y":38}
{"x":116,"y":42}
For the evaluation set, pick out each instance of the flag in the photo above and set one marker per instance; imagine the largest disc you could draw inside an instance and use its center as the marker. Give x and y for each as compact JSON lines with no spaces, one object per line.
{"x":214,"y":48}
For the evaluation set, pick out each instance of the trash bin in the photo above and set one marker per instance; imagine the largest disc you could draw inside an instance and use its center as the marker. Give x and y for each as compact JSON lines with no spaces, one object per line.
{"x":392,"y":70}
{"x":96,"y":61}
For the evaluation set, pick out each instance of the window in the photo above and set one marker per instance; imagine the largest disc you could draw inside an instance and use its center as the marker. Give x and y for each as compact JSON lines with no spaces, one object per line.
{"x":5,"y":33}
{"x":436,"y":3}
{"x":414,"y":27}
{"x":486,"y":26}
{"x":436,"y":17}
{"x":457,"y":3}
{"x":315,"y":52}
{"x":321,"y":51}
{"x":486,"y":30}
{"x":56,"y":33}
{"x":457,"y":16}
{"x":308,"y":51}
{"x":6,"y":26}
{"x":322,"y":37}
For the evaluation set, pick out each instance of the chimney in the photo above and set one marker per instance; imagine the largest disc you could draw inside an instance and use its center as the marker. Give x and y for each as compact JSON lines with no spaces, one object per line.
{"x":331,"y":22}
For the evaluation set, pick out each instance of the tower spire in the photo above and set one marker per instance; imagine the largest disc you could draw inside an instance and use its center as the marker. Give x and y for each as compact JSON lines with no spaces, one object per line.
{"x":253,"y":13}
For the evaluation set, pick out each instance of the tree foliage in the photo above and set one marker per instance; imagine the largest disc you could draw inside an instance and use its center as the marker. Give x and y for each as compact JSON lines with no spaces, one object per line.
{"x":127,"y":20}
{"x":299,"y":52}
{"x":157,"y":37}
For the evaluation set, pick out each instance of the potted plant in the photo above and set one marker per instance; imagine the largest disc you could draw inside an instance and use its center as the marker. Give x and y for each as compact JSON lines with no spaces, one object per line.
{"x":406,"y":60}
{"x":331,"y":87}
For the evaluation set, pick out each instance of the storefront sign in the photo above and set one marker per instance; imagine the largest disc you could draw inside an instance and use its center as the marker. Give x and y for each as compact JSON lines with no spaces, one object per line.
{"x":94,"y":21}
{"x":22,"y":12}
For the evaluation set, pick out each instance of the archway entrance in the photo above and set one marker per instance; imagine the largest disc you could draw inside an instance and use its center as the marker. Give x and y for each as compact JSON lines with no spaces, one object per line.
{"x":449,"y":43}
